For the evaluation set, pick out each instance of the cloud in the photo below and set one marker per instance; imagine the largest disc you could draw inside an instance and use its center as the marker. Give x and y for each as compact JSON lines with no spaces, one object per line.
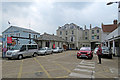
{"x":46,"y":16}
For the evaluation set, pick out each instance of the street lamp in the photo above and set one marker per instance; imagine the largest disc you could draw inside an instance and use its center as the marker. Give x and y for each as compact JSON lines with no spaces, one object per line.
{"x":113,"y":2}
{"x":118,"y":9}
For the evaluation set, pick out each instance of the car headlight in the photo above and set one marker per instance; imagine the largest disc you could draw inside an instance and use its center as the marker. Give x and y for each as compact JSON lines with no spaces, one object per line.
{"x":14,"y":53}
{"x":88,"y":53}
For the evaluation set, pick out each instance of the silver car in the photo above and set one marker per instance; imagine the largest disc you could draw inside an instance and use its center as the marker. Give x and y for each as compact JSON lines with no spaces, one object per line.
{"x":20,"y":51}
{"x":57,"y":49}
{"x":45,"y":51}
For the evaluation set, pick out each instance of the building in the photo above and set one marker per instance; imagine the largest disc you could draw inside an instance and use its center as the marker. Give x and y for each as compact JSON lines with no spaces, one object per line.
{"x":107,"y":29}
{"x":76,"y":37}
{"x":51,"y":41}
{"x":72,"y":33}
{"x":19,"y":35}
{"x":112,"y":39}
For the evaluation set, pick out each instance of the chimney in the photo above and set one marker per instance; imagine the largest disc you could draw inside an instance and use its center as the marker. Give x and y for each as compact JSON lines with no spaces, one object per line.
{"x":115,"y":22}
{"x":90,"y":26}
{"x":85,"y":27}
{"x":59,"y":27}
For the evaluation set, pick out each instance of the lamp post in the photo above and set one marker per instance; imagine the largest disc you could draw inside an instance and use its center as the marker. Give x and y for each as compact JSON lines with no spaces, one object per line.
{"x":118,"y":2}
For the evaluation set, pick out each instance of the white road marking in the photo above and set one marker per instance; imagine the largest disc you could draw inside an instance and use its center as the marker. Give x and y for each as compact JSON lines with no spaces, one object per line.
{"x":81,"y":61}
{"x":85,"y":67}
{"x":88,"y":64}
{"x":84,"y":70}
{"x":80,"y":75}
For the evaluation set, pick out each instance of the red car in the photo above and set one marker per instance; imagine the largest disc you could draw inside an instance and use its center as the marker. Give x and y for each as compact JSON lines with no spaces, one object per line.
{"x":85,"y":52}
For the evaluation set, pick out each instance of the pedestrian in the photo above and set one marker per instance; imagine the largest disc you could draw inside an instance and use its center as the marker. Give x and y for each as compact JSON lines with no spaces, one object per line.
{"x":99,"y":53}
{"x":4,"y":51}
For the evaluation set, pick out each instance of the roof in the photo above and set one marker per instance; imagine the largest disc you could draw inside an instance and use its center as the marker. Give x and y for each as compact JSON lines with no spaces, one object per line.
{"x":23,"y":29}
{"x":109,"y":28}
{"x":46,"y":36}
{"x":96,"y":27}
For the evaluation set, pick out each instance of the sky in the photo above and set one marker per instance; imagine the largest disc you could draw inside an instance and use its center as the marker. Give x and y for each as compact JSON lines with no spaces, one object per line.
{"x":47,"y":15}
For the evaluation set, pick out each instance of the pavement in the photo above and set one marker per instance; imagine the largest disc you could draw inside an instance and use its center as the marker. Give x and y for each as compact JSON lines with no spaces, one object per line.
{"x":60,"y":65}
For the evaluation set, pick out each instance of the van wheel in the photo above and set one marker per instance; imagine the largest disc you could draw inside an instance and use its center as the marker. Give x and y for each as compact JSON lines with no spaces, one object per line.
{"x":35,"y":54}
{"x":20,"y":57}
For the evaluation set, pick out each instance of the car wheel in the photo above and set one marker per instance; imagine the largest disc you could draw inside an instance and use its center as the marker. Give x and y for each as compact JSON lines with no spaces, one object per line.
{"x":9,"y":58}
{"x":20,"y":57}
{"x":35,"y":54}
{"x":78,"y":57}
{"x":110,"y":56}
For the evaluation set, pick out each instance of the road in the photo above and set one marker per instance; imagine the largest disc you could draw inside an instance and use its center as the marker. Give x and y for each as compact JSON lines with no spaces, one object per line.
{"x":60,"y":65}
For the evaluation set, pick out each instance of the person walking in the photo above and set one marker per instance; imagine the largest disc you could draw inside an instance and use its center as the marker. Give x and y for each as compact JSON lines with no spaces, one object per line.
{"x":4,"y":51}
{"x":99,"y":53}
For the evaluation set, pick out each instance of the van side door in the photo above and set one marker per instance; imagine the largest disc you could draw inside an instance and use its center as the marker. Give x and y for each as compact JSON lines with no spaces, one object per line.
{"x":23,"y":50}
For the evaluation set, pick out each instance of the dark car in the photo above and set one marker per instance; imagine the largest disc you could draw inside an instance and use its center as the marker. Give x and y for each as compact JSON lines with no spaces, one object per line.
{"x":85,"y":52}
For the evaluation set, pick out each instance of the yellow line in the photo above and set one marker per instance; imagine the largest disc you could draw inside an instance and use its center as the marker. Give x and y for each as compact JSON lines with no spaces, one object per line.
{"x":20,"y":70}
{"x":63,"y":68}
{"x":43,"y":68}
{"x":62,"y":77}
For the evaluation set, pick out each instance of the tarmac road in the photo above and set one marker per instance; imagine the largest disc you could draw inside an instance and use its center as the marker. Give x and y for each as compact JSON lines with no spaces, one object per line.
{"x":60,"y":65}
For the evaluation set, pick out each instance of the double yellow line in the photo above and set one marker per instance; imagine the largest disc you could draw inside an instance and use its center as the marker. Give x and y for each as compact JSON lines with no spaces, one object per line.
{"x":43,"y":68}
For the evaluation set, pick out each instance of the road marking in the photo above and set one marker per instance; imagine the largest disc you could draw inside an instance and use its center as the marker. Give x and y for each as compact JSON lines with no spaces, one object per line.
{"x":85,"y":67}
{"x":84,"y":70}
{"x":78,"y":75}
{"x":88,"y":64}
{"x":62,"y":77}
{"x":43,"y":68}
{"x":81,"y":61}
{"x":63,"y":67}
{"x":20,"y":70}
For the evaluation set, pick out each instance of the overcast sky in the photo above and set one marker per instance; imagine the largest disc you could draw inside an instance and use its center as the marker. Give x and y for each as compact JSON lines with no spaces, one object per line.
{"x":46,"y":15}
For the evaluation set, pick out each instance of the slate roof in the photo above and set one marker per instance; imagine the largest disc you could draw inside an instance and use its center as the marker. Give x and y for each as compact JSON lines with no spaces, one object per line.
{"x":50,"y":37}
{"x":23,"y":29}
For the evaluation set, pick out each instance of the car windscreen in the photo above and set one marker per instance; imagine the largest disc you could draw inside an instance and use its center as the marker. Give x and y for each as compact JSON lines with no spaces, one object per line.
{"x":85,"y":49}
{"x":17,"y":47}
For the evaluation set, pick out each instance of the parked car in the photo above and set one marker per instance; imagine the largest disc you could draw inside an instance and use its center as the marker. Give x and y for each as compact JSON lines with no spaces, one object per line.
{"x":95,"y":50}
{"x":85,"y":52}
{"x":45,"y":51}
{"x":57,"y":49}
{"x":20,"y":51}
{"x":106,"y":52}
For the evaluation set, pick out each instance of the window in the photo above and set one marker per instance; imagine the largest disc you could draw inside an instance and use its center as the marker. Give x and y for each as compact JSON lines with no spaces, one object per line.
{"x":36,"y":36}
{"x":66,"y":32}
{"x":85,"y":37}
{"x":97,"y":31}
{"x":72,"y":32}
{"x":29,"y":35}
{"x":97,"y":37}
{"x":92,"y":31}
{"x":85,"y":33}
{"x":72,"y":39}
{"x":19,"y":34}
{"x":66,"y":38}
{"x":32,"y":47}
{"x":60,"y":32}
{"x":23,"y":48}
{"x":92,"y":37}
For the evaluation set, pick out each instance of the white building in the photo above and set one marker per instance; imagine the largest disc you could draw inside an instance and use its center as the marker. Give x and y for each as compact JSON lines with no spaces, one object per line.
{"x":76,"y":37}
{"x":19,"y":35}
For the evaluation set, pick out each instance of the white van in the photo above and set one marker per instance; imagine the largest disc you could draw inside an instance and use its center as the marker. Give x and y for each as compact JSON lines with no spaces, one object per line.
{"x":20,"y":51}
